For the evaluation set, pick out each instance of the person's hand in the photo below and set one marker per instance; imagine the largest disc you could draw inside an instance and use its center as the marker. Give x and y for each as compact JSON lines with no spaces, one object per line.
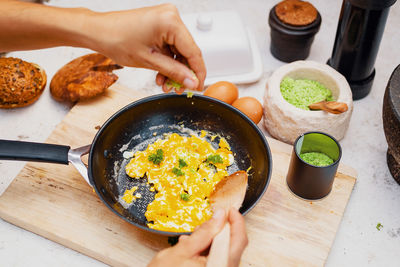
{"x":190,"y":250}
{"x":153,"y":38}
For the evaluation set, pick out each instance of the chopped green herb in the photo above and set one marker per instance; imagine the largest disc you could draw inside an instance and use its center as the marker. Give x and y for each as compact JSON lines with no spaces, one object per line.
{"x":303,"y":92}
{"x":214,"y":159}
{"x":185,"y":197}
{"x":189,"y":94}
{"x":157,"y":157}
{"x":173,"y":84}
{"x":379,"y":226}
{"x":177,"y":172}
{"x":316,"y":158}
{"x":182,"y":163}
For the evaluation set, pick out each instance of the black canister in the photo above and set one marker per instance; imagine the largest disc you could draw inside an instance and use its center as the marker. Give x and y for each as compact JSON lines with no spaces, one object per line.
{"x":358,"y":36}
{"x":290,"y":43}
{"x":309,"y":181}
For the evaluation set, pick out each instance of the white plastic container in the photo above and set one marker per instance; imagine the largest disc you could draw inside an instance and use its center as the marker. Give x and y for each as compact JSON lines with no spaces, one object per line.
{"x":229,"y":50}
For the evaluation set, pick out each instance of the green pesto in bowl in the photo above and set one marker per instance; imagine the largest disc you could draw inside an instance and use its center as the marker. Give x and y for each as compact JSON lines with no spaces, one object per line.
{"x":303,"y":92}
{"x":316,"y":158}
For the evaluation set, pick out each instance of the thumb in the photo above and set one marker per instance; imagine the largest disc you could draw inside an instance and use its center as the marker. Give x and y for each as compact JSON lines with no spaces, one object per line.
{"x":174,"y":70}
{"x":202,"y":237}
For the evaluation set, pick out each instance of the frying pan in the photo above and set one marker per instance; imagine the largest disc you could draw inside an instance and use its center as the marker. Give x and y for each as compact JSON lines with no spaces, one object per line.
{"x":142,"y":122}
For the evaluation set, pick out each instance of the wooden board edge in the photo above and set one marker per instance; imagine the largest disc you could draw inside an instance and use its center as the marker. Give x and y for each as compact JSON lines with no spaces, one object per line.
{"x":353,"y":179}
{"x":347,"y":170}
{"x":57,"y":239}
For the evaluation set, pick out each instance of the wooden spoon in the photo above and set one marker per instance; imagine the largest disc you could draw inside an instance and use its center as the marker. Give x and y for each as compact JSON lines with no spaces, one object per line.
{"x":228,"y":193}
{"x":329,"y":106}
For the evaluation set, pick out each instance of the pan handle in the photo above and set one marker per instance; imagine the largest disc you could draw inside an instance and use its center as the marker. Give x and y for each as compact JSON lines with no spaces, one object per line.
{"x":41,"y":152}
{"x":28,"y":151}
{"x":75,"y":157}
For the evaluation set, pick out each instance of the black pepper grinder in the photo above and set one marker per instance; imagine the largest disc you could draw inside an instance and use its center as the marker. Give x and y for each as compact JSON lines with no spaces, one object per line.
{"x":359,"y":33}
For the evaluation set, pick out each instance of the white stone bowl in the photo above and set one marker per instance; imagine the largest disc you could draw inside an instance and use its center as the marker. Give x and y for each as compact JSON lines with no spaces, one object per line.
{"x":286,"y":122}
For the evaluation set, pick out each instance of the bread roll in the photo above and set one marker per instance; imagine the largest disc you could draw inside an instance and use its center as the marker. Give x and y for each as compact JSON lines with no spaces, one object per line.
{"x":83,"y":78}
{"x":21,"y":82}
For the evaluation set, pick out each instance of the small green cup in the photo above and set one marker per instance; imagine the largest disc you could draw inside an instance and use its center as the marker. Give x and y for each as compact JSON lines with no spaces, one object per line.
{"x":311,"y":181}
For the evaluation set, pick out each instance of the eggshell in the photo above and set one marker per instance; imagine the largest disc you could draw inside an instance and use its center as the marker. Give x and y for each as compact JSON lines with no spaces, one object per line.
{"x":224,"y":91}
{"x":251,"y":107}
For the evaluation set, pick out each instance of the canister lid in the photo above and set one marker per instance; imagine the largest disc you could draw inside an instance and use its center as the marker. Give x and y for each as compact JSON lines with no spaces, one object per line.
{"x":296,"y":13}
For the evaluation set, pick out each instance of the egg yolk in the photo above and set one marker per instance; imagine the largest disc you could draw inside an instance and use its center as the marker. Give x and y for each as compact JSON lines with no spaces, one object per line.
{"x":184,"y":171}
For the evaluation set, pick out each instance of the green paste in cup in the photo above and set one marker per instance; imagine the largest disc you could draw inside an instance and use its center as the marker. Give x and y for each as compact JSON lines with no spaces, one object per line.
{"x":316,"y":158}
{"x":303,"y":92}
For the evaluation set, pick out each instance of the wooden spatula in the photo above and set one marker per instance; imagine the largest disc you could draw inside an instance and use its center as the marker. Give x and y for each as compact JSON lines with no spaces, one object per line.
{"x":228,"y":193}
{"x":329,"y":106}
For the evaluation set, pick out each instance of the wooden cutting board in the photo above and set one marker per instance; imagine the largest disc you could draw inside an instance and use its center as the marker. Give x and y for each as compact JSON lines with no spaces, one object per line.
{"x":54,"y":201}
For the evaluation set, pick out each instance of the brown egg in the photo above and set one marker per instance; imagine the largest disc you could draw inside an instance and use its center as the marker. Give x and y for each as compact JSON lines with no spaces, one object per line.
{"x":251,"y":107}
{"x":224,"y":91}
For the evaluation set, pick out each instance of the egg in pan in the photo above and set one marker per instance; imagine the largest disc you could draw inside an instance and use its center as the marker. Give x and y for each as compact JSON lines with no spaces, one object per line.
{"x":183,"y":170}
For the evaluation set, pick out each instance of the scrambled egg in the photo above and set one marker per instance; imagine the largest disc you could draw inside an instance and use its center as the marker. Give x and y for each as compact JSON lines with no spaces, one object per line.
{"x":183,"y":171}
{"x":128,"y":196}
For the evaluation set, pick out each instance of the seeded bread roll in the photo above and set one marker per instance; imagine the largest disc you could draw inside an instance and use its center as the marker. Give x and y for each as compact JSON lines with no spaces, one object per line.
{"x":21,"y":82}
{"x":83,"y":78}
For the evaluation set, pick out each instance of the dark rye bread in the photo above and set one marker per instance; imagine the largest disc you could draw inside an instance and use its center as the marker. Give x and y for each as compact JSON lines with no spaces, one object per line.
{"x":83,"y":78}
{"x":21,"y":82}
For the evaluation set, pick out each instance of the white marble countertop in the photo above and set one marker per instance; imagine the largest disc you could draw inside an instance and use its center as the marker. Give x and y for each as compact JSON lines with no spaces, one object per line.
{"x":376,"y":196}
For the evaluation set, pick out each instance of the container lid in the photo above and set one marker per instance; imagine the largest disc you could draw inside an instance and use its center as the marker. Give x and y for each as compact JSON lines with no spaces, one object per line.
{"x":229,"y":50}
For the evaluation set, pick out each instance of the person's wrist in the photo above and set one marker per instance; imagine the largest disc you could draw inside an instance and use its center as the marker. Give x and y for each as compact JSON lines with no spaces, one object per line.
{"x":85,"y":30}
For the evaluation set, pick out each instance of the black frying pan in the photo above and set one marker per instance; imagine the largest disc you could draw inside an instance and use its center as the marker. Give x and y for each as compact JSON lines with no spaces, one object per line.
{"x":142,"y":122}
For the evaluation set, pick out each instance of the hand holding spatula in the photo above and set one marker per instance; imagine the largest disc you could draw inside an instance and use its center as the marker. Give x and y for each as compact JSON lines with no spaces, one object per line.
{"x":229,"y":192}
